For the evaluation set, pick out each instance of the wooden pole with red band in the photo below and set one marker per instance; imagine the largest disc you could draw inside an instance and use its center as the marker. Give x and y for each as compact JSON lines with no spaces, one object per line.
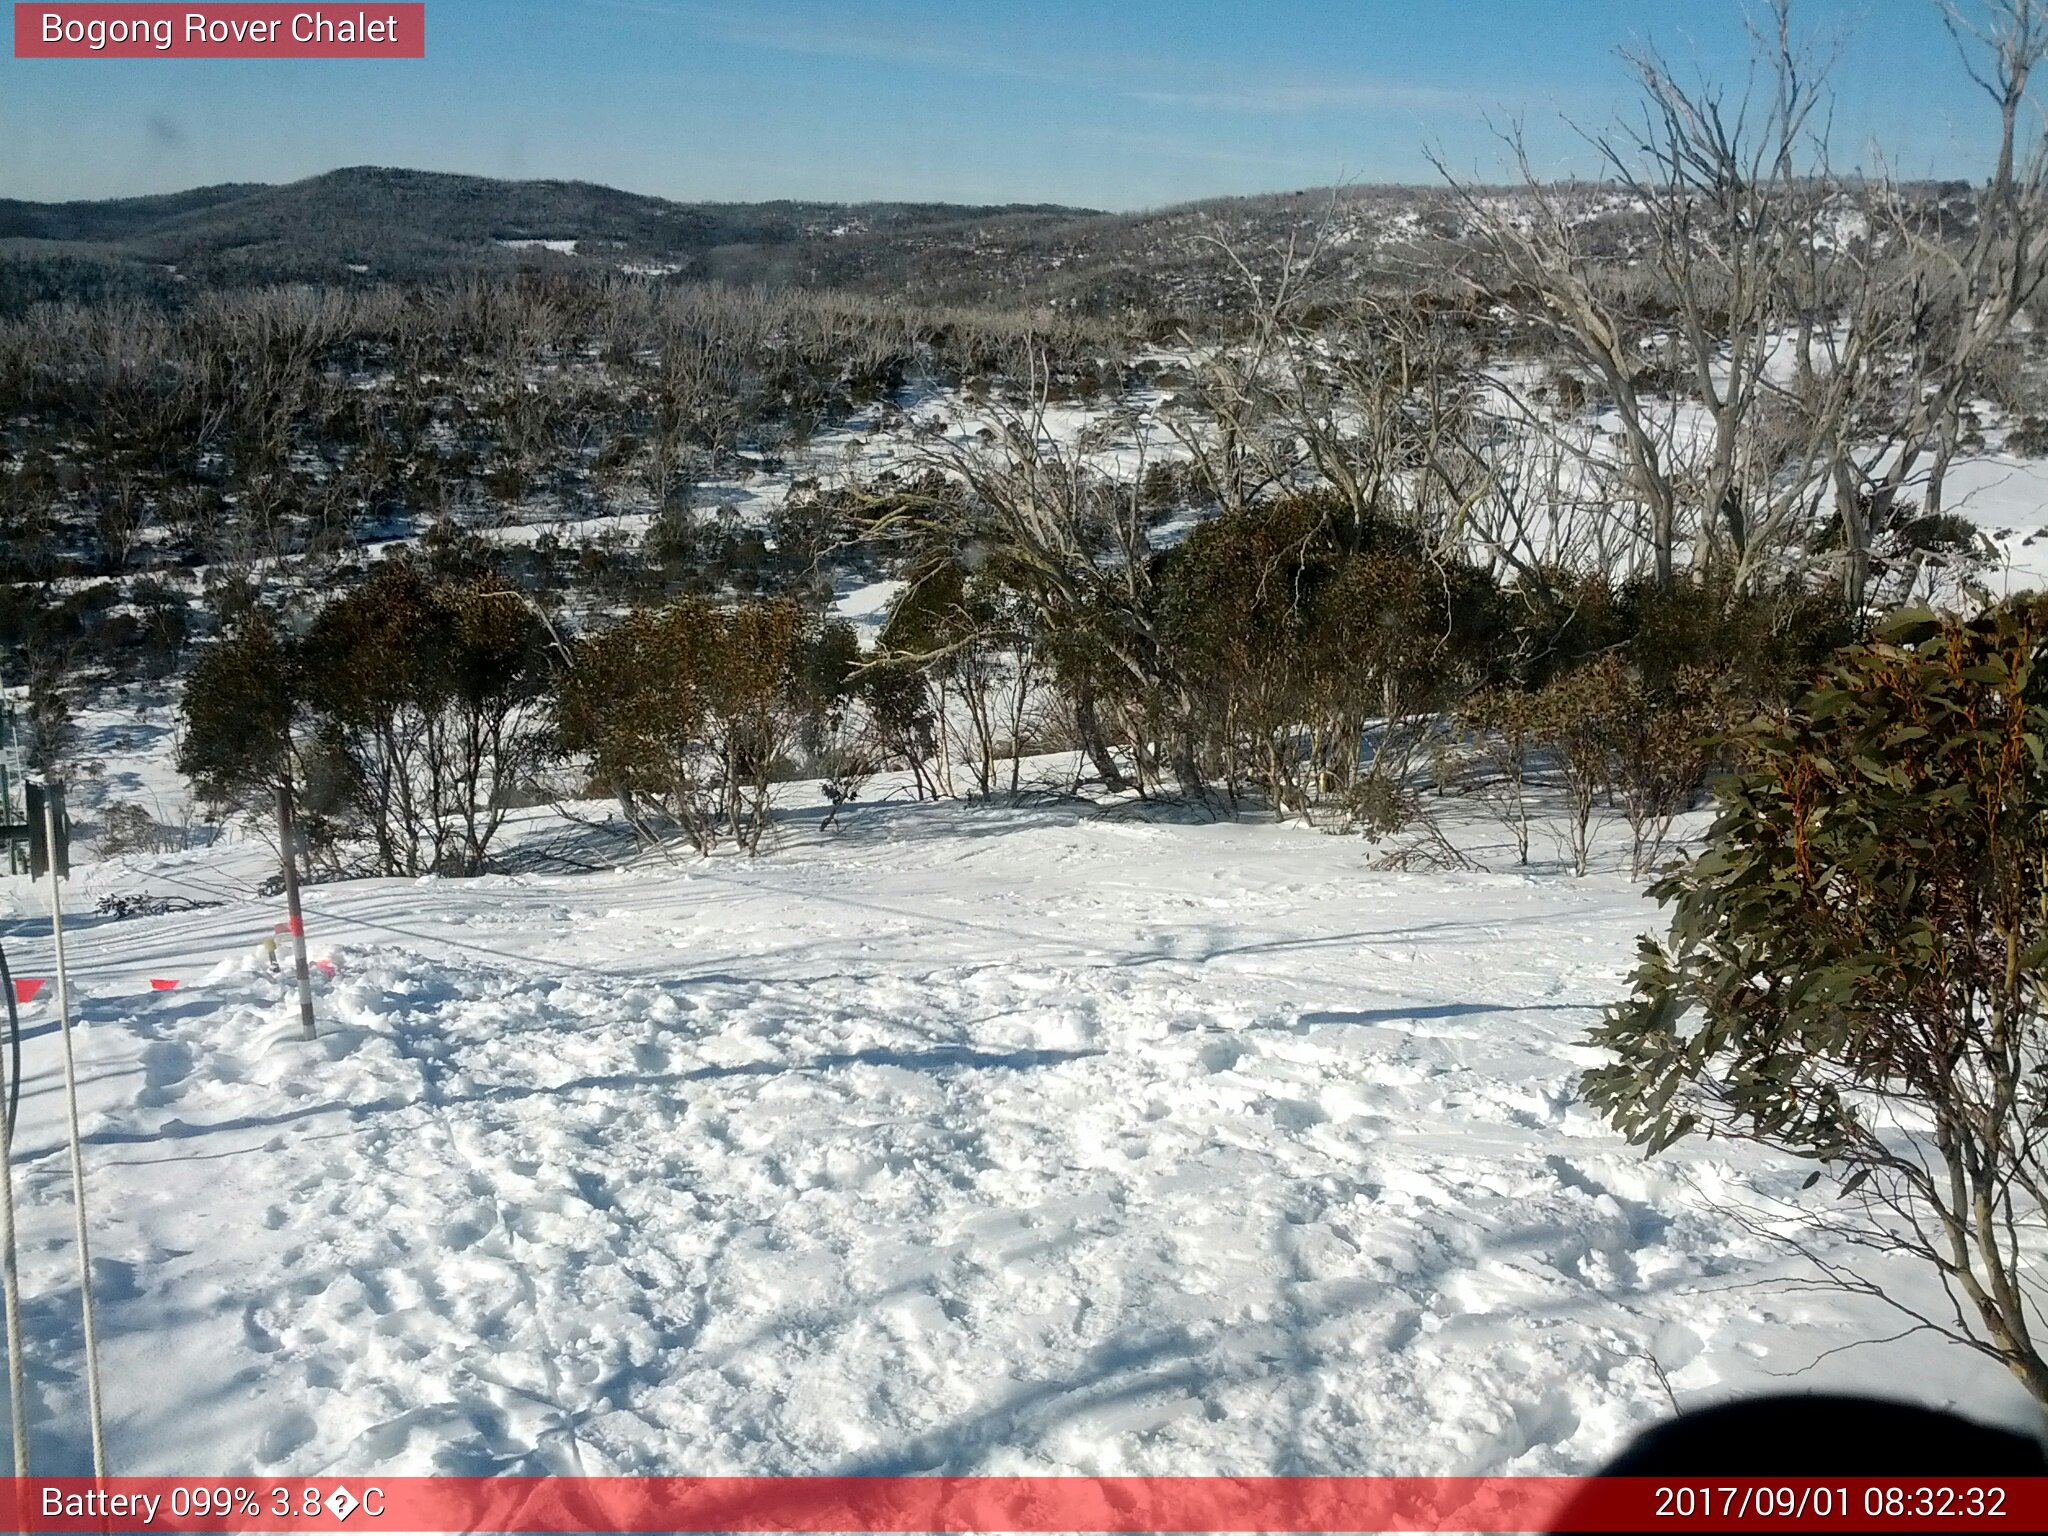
{"x":286,"y":839}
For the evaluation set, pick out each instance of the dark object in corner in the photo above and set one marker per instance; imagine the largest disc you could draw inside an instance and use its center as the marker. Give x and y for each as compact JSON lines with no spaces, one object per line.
{"x":1824,"y":1436}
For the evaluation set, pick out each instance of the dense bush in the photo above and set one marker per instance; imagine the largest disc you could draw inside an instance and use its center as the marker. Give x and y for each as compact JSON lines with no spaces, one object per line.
{"x":426,"y":703}
{"x":239,"y":709}
{"x":688,"y":713}
{"x":1296,"y":632}
{"x":1853,"y":973}
{"x":1766,"y":642}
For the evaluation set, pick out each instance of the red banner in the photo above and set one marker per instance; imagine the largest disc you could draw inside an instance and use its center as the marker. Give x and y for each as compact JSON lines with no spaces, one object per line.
{"x":236,"y":31}
{"x":1025,"y":1504}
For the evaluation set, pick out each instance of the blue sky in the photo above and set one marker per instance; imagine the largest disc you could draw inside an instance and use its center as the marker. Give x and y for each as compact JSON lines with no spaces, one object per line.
{"x":1107,"y":103}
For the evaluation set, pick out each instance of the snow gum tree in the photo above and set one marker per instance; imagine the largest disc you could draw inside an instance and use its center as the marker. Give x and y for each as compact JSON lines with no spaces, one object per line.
{"x":408,"y":713}
{"x":1853,"y":972}
{"x":426,"y":698}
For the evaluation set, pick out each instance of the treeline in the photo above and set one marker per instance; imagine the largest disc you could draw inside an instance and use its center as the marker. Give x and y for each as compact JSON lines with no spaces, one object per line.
{"x":1288,"y":657}
{"x":307,"y":421}
{"x":1281,"y":659}
{"x":416,"y":709}
{"x":1589,"y":493}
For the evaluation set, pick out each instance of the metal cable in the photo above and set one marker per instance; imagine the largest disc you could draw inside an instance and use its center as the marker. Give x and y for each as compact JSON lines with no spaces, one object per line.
{"x":17,"y":1388}
{"x":13,"y":1046}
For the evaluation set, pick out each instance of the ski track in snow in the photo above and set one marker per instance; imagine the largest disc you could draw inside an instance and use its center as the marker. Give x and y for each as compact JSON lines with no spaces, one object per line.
{"x":970,"y":1140}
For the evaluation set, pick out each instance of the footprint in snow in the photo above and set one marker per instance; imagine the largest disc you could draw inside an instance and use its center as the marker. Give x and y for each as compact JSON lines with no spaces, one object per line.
{"x":285,"y":1436}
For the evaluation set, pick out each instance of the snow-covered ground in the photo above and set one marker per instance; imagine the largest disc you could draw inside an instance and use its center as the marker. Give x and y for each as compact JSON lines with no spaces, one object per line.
{"x":1024,"y":1139}
{"x":2007,"y":497}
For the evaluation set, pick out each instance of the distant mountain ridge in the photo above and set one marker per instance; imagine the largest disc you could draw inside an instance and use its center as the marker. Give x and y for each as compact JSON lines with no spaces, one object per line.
{"x":411,"y":224}
{"x":376,"y":225}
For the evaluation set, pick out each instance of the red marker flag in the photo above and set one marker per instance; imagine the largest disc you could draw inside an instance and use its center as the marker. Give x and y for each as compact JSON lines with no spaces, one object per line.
{"x":26,"y":988}
{"x":157,"y":985}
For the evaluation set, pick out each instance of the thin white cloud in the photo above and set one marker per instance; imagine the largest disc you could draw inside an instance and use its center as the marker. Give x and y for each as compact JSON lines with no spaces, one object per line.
{"x":1297,"y":96}
{"x":1172,"y":147}
{"x":1149,"y":80}
{"x":873,"y":40}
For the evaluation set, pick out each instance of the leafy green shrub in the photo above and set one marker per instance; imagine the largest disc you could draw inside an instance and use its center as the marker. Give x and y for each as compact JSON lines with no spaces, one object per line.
{"x":1854,"y":969}
{"x":1766,"y":644}
{"x":426,"y":695}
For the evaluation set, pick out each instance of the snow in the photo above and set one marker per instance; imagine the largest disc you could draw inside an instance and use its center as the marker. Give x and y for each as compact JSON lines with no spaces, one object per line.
{"x":560,"y":247}
{"x":2006,"y":497}
{"x":968,"y":1137}
{"x":865,"y":605}
{"x":133,"y":741}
